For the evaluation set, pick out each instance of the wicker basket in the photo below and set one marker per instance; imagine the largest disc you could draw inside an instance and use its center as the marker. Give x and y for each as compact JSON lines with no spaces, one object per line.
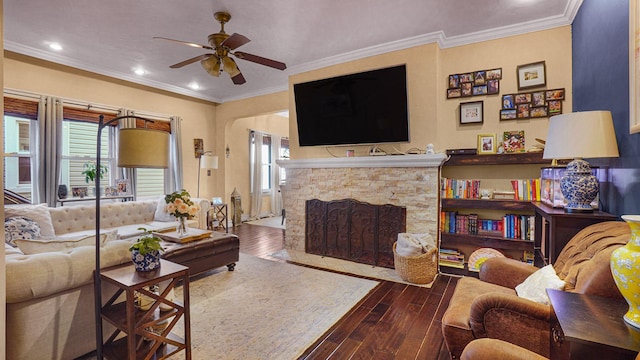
{"x":421,"y":269}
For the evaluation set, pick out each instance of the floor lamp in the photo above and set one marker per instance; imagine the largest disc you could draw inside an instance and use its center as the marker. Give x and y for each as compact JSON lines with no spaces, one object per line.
{"x":137,"y":148}
{"x":206,"y":161}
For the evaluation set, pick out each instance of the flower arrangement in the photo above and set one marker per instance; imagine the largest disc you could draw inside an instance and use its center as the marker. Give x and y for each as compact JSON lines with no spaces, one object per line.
{"x":179,"y":204}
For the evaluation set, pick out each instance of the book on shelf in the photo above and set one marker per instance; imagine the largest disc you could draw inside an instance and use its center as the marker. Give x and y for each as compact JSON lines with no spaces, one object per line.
{"x":459,"y":188}
{"x":511,"y":226}
{"x":451,"y":258}
{"x":528,"y":257}
{"x":526,"y":189}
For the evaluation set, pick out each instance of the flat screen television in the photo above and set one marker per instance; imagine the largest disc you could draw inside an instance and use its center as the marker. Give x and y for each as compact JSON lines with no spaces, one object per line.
{"x":364,"y":108}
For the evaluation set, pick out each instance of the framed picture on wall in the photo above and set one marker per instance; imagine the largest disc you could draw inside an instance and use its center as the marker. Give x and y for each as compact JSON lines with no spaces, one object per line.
{"x":532,"y":75}
{"x":471,"y":113}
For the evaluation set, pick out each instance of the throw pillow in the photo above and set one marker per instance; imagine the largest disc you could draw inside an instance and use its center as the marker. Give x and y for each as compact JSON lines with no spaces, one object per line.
{"x":535,"y":286}
{"x":18,"y":227}
{"x":161,"y":214}
{"x":38,"y":213}
{"x":29,"y":247}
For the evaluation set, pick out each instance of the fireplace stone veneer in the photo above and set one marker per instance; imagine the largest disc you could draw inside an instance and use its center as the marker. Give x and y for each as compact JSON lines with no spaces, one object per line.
{"x":410,"y":181}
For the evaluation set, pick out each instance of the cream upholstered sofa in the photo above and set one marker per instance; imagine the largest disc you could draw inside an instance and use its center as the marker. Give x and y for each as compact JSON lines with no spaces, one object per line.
{"x":49,"y":294}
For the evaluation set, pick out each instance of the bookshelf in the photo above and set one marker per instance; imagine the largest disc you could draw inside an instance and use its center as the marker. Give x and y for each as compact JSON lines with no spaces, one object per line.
{"x":512,"y":221}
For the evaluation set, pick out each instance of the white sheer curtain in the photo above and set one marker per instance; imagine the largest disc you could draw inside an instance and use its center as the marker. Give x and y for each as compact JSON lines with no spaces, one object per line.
{"x":276,"y":198}
{"x":256,"y":173}
{"x":173,"y":182}
{"x":127,"y":173}
{"x":48,"y":149}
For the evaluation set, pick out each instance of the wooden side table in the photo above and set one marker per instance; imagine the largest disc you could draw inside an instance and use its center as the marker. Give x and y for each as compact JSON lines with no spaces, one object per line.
{"x":590,"y":327}
{"x":555,"y":227}
{"x":140,"y":340}
{"x":220,"y":213}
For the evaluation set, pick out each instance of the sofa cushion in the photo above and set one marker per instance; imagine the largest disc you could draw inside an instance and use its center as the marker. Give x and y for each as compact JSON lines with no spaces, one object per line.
{"x":11,"y":251}
{"x":38,"y":213}
{"x":161,"y":214}
{"x":535,"y":286}
{"x":41,"y":246}
{"x":39,"y":275}
{"x":19,"y":227}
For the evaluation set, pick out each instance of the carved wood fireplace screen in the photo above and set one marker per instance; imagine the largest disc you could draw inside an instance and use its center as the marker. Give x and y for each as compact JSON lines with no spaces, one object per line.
{"x":352,"y":230}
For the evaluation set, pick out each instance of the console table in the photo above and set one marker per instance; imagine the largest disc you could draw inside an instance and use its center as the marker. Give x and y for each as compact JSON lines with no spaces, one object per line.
{"x":93,"y":198}
{"x":140,"y":340}
{"x":555,"y":227}
{"x":590,"y":327}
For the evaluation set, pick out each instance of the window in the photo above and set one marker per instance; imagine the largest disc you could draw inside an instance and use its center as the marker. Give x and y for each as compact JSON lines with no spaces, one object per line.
{"x":149,"y":182}
{"x":17,"y":155}
{"x":79,"y":140}
{"x":284,"y":155}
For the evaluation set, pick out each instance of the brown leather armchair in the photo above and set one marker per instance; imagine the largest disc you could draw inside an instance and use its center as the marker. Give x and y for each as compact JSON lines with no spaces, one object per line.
{"x":489,"y":307}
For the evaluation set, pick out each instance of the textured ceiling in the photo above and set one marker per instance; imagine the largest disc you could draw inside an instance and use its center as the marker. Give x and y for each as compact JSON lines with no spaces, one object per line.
{"x":114,"y":37}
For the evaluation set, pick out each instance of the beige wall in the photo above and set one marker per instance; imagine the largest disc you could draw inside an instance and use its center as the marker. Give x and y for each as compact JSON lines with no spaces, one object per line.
{"x":226,"y":115}
{"x":238,"y":166}
{"x":32,"y":75}
{"x":433,"y":117}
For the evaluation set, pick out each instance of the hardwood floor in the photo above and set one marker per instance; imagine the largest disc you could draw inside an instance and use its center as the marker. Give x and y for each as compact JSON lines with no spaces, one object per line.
{"x":395,"y":321}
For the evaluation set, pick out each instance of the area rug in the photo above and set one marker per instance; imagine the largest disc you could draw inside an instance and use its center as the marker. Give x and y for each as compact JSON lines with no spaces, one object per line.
{"x":274,"y":221}
{"x":344,"y":266}
{"x":266,"y":309}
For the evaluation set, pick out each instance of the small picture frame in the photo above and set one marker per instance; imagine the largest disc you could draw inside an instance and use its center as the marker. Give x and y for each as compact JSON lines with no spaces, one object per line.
{"x":537,"y":98}
{"x":453,"y":93}
{"x":523,"y":111}
{"x":480,"y":78}
{"x":555,"y":94}
{"x":513,"y":141}
{"x":508,"y":114}
{"x":507,"y":102}
{"x":467,"y":89}
{"x":454,"y":81}
{"x":471,"y":112}
{"x":531,"y":75}
{"x":494,"y":74}
{"x":467,"y":77}
{"x":480,"y":90}
{"x":493,"y":86}
{"x":539,"y":111}
{"x":124,"y":187}
{"x":486,"y":144}
{"x":554,"y":107}
{"x":79,"y":191}
{"x":111,"y":191}
{"x":523,"y":98}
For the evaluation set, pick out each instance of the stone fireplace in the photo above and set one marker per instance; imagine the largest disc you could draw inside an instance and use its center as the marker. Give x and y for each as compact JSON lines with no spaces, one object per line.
{"x":411,"y":181}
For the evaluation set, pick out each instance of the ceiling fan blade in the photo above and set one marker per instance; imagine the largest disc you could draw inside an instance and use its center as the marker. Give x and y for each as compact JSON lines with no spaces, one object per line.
{"x":185,"y":43}
{"x":238,"y":79}
{"x":189,"y":61}
{"x":260,"y":60}
{"x":235,"y":41}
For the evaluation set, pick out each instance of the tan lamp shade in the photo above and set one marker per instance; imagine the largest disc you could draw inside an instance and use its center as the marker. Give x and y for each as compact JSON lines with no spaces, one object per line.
{"x":588,"y":134}
{"x":208,"y":162}
{"x":143,"y":148}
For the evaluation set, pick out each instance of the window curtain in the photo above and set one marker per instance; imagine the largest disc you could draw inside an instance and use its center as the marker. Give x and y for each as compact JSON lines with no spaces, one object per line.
{"x":276,"y":195}
{"x":256,"y":138}
{"x":127,"y":173}
{"x":173,"y":181}
{"x":48,"y":150}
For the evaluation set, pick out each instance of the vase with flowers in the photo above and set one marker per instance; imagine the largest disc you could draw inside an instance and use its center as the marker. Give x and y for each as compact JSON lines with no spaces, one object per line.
{"x":179,"y":204}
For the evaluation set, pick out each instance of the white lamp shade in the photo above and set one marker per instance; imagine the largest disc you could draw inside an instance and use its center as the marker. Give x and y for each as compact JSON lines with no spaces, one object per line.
{"x":143,"y":148}
{"x":208,"y":162}
{"x":588,"y":134}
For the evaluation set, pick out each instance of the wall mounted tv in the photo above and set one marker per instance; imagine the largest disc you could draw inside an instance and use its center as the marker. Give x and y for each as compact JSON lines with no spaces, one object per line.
{"x":364,"y":108}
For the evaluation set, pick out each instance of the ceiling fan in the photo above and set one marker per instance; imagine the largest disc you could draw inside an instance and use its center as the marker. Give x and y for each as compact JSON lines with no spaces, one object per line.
{"x":223,"y":44}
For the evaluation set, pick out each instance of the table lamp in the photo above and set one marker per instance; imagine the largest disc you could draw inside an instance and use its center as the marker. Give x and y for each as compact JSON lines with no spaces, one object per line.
{"x":207,"y":161}
{"x":588,"y":134}
{"x":137,"y":148}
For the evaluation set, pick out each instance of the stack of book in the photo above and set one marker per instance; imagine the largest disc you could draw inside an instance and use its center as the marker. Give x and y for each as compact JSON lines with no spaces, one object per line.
{"x":451,"y":258}
{"x":511,"y":226}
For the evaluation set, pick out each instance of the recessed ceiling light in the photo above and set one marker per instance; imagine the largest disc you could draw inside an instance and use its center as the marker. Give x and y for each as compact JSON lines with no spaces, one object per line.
{"x":194,"y":86}
{"x":55,"y":46}
{"x":139,"y":71}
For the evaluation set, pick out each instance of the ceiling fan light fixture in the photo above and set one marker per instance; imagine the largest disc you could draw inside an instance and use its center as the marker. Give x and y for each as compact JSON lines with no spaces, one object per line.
{"x":211,"y":65}
{"x":230,"y":66}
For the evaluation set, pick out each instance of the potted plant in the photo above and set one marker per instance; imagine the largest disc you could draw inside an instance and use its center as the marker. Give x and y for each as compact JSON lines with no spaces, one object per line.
{"x":145,"y":252}
{"x":91,"y":171}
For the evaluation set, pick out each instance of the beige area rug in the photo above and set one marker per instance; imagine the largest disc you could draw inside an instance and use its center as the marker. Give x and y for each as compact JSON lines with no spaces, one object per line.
{"x":344,"y":266}
{"x":275,"y":221}
{"x":266,"y":309}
